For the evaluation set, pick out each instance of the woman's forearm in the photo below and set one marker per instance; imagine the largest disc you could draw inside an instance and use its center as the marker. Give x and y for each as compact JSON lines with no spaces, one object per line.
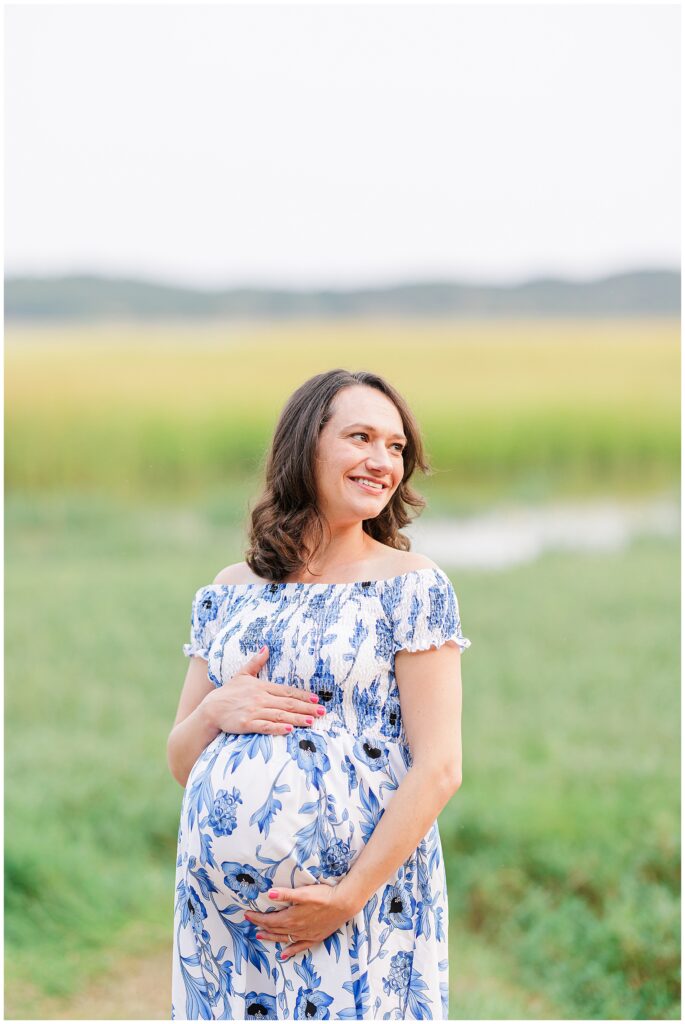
{"x":415,"y":805}
{"x":187,"y":740}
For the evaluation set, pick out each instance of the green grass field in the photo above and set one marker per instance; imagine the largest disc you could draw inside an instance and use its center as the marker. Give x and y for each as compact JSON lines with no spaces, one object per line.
{"x":131,"y":456}
{"x":525,"y":408}
{"x":561,"y":846}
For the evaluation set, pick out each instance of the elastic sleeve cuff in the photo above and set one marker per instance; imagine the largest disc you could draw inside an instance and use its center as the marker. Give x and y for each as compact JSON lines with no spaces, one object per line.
{"x":428,"y":615}
{"x":196,"y":650}
{"x":205,"y":621}
{"x":424,"y":643}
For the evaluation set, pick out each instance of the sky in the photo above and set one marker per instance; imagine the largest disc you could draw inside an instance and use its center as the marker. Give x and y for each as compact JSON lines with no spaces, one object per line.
{"x":341,"y":146}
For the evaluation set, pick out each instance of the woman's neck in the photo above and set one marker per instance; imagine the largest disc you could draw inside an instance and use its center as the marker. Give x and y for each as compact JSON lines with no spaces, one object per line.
{"x":341,"y":553}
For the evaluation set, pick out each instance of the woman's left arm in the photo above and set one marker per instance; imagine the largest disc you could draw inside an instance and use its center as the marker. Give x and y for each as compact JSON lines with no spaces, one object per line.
{"x":430,"y":698}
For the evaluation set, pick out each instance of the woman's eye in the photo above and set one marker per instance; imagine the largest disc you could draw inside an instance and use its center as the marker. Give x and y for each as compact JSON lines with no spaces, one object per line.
{"x":397,"y":444}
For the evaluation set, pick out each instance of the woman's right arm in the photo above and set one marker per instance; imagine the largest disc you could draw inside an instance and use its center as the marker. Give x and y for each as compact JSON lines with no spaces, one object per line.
{"x":192,"y":730}
{"x":245,"y":704}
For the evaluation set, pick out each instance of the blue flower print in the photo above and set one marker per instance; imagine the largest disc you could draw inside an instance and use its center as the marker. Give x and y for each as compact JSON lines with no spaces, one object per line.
{"x":197,"y":912}
{"x":351,"y":772}
{"x":310,"y":753}
{"x":274,"y":638}
{"x":397,"y":907}
{"x":391,"y":717}
{"x":260,"y":1006}
{"x":400,"y":974}
{"x":407,"y":982}
{"x":252,"y":638}
{"x":223,"y":816}
{"x":437,"y":610}
{"x":207,"y":607}
{"x":444,"y":999}
{"x":358,"y":637}
{"x":323,"y":683}
{"x":316,"y":607}
{"x":244,"y":880}
{"x":324,"y":611}
{"x":311,"y":1005}
{"x":413,"y":617}
{"x":367,"y":704}
{"x":335,"y":859}
{"x":371,"y":754}
{"x":384,"y":640}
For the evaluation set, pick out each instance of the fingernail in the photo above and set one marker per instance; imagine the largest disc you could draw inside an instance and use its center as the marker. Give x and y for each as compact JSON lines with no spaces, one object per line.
{"x":284,"y":956}
{"x":321,"y":711}
{"x":314,"y":698}
{"x":259,"y":935}
{"x":309,"y":721}
{"x":288,"y":728}
{"x":273,"y":895}
{"x":262,"y":649}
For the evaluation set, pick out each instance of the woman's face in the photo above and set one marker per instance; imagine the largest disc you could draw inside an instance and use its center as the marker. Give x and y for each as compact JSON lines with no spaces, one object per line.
{"x":363,"y":438}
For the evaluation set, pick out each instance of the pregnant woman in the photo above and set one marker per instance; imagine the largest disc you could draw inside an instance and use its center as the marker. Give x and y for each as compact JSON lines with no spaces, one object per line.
{"x":318,"y":736}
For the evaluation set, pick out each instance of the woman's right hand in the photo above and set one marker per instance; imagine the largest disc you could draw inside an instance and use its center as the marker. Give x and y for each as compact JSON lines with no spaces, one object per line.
{"x":248,"y":704}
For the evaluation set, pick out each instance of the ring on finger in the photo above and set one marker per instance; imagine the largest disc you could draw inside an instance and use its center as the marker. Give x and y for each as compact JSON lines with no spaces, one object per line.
{"x":290,"y":938}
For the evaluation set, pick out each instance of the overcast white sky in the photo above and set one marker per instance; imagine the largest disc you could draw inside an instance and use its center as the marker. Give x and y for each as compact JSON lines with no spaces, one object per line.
{"x":305,"y":145}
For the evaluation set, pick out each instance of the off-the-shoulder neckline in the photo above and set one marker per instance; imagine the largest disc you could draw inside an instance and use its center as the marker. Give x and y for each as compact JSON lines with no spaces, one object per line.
{"x":352,"y":583}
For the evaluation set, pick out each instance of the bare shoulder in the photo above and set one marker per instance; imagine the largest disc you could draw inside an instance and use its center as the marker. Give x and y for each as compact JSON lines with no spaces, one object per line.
{"x":415,"y":560}
{"x":239,"y":572}
{"x":397,"y":563}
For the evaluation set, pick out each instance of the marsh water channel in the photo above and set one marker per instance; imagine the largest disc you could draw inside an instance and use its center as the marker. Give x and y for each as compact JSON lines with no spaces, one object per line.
{"x":513,"y":534}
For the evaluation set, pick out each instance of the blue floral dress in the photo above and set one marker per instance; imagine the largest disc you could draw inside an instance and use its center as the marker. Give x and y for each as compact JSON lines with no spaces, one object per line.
{"x":294,"y":809}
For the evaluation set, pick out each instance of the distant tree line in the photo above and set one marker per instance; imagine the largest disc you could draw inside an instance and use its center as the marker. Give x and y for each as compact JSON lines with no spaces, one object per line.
{"x":642,"y":293}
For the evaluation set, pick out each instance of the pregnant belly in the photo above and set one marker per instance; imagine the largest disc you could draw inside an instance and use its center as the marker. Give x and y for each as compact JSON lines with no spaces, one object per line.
{"x":262,"y":811}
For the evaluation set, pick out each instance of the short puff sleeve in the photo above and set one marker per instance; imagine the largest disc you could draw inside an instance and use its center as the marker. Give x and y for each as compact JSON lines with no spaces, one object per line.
{"x":205,"y":620}
{"x":427,"y":613}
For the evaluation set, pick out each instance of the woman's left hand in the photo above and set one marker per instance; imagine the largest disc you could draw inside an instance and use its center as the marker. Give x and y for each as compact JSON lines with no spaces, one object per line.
{"x":318,"y":911}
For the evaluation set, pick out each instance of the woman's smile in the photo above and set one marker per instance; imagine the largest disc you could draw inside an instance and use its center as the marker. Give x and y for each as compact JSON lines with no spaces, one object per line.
{"x":366,"y":485}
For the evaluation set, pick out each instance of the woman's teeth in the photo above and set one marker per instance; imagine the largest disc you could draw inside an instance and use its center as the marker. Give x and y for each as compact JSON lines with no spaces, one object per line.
{"x":369,"y":487}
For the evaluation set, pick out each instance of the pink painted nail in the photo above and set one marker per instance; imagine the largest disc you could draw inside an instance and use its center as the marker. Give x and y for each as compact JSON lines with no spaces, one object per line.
{"x":321,"y":711}
{"x":314,"y":698}
{"x":284,"y":956}
{"x":273,"y":895}
{"x":309,"y":721}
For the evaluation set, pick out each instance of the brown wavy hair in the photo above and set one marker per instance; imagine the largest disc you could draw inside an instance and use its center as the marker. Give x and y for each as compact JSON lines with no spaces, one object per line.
{"x":286,"y":528}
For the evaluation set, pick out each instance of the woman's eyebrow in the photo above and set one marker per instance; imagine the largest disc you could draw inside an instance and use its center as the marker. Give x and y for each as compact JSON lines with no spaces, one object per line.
{"x":372,"y":430}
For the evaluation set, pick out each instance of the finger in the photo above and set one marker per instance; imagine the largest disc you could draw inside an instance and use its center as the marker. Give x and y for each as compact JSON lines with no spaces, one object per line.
{"x":299,"y":895}
{"x":300,"y":705}
{"x":294,"y":692}
{"x":263,"y":725}
{"x":273,"y":937}
{"x":253,"y":664}
{"x":297,"y":947}
{"x":278,"y":715}
{"x":273,"y":922}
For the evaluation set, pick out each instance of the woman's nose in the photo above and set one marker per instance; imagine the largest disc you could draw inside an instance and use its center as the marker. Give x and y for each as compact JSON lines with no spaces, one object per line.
{"x":379,"y":458}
